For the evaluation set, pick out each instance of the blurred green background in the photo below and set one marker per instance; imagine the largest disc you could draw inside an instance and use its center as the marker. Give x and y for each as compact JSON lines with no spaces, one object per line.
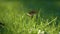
{"x":13,"y":15}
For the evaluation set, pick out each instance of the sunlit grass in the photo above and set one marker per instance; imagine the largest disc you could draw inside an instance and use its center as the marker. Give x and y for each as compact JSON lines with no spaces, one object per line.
{"x":23,"y":24}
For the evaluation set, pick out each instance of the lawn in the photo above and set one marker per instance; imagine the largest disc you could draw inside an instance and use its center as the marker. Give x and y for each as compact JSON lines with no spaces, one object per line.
{"x":13,"y":16}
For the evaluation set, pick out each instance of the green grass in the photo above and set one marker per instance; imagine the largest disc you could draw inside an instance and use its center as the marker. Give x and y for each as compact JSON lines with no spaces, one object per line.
{"x":17,"y":22}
